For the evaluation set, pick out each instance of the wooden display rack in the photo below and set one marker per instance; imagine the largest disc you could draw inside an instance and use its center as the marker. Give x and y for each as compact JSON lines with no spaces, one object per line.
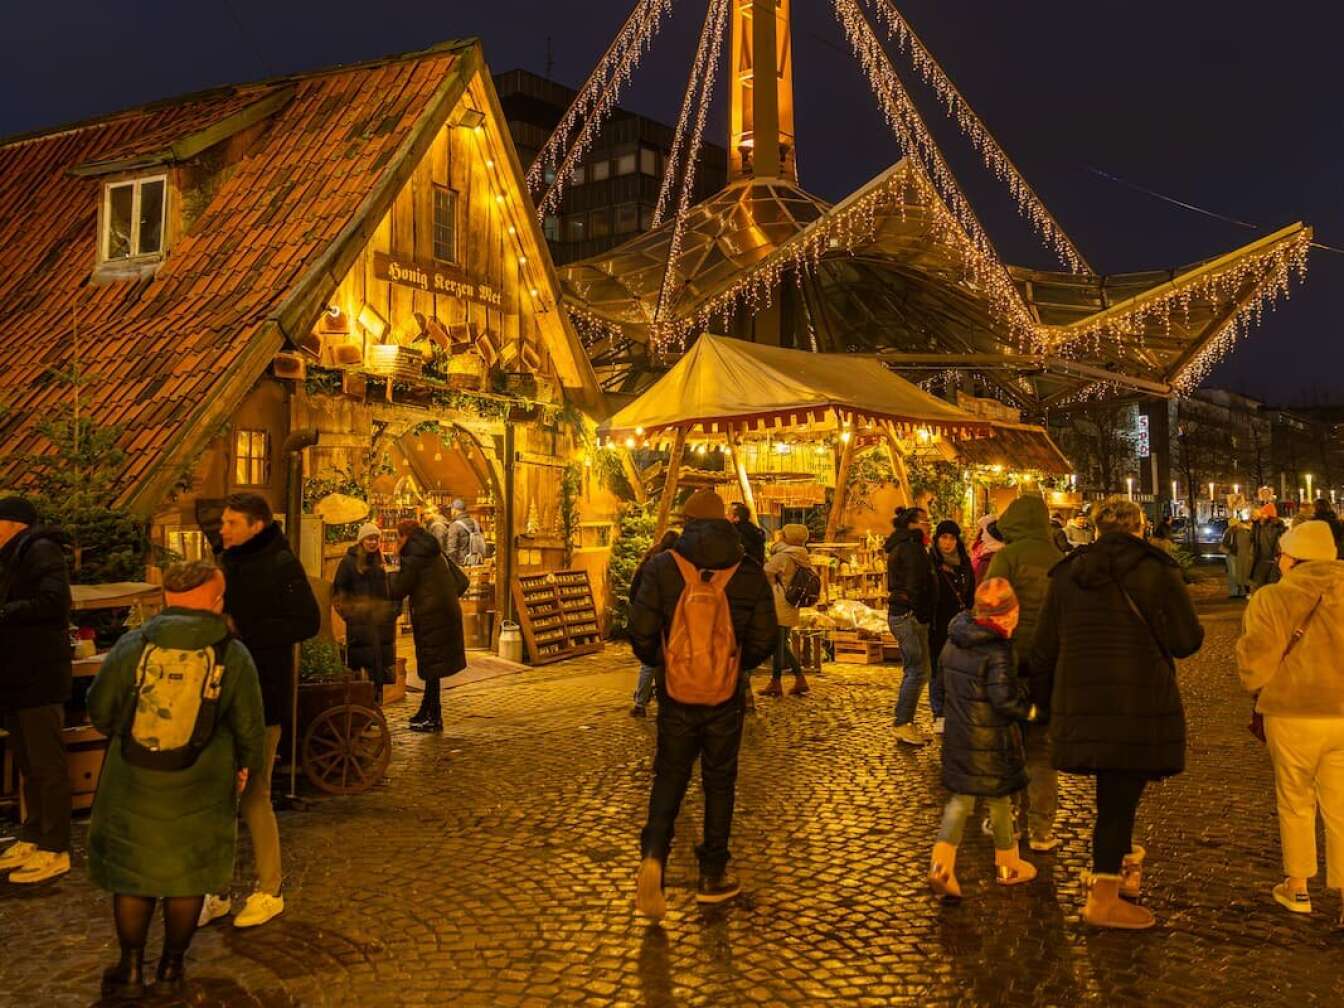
{"x":850,"y":647}
{"x":558,"y":615}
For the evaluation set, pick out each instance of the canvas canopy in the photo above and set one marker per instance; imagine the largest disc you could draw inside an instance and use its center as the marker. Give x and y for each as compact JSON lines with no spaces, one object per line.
{"x":724,"y":384}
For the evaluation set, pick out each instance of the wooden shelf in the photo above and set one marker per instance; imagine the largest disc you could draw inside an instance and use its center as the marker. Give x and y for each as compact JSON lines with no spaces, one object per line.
{"x":558,"y":615}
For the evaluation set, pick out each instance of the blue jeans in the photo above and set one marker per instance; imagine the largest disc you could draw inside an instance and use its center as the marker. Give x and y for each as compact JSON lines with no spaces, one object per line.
{"x":959,"y":809}
{"x":644,"y":688}
{"x":913,"y":636}
{"x":1234,"y":586}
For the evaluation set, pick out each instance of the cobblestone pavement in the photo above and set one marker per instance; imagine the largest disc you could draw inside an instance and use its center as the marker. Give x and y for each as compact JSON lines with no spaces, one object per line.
{"x":494,"y":867}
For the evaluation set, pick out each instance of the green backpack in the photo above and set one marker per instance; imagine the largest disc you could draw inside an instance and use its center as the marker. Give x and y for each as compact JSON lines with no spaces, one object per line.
{"x":176,"y":705}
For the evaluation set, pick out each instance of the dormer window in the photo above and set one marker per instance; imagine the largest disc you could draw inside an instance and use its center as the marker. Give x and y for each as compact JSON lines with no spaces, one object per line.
{"x":133,"y":215}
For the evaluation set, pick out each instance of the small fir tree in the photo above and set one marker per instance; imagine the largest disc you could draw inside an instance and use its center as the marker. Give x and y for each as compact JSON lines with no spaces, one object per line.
{"x":634,"y":538}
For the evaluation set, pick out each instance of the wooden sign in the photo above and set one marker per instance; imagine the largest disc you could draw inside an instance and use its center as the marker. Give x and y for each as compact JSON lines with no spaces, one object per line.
{"x":435,"y":278}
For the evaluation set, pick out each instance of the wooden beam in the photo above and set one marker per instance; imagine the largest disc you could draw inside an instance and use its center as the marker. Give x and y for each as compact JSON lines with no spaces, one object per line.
{"x":893,"y":444}
{"x":841,"y":490}
{"x":632,"y":475}
{"x":670,"y":484}
{"x":740,"y":467}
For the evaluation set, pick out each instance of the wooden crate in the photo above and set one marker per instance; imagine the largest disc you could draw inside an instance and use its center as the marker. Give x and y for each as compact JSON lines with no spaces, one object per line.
{"x":858,"y":652}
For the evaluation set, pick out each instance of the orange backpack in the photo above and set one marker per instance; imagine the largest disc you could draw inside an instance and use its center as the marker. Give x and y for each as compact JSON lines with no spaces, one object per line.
{"x":701,"y":661}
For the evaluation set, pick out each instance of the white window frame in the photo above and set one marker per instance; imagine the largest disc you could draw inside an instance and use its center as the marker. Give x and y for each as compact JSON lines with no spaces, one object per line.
{"x":136,"y":185}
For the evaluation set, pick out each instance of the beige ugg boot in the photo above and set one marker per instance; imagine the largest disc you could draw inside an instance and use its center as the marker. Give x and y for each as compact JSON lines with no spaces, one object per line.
{"x":1011,"y":869}
{"x":1105,"y":908}
{"x":942,"y":872}
{"x":649,"y":899}
{"x":1131,"y":873}
{"x":800,"y":687}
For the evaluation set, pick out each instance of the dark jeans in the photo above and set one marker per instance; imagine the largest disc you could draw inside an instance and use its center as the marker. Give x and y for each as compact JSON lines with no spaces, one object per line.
{"x":714,"y":734}
{"x":784,"y":655}
{"x":39,"y":751}
{"x":1118,"y":794}
{"x":936,"y":686}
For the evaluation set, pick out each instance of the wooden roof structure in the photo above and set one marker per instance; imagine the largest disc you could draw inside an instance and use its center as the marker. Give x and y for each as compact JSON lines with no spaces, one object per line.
{"x":168,"y":355}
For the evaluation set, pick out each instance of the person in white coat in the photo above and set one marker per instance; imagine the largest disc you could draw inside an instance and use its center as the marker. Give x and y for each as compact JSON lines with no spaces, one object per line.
{"x":786,"y":557}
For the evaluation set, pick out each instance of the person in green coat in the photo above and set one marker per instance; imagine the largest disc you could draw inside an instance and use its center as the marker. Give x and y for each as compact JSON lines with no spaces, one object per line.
{"x":1025,"y":562}
{"x":159,"y":833}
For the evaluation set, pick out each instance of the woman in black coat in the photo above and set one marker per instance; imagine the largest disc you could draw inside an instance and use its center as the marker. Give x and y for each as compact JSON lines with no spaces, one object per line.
{"x":363,"y":596}
{"x":956,"y":592}
{"x":434,"y":588}
{"x":1115,"y":616}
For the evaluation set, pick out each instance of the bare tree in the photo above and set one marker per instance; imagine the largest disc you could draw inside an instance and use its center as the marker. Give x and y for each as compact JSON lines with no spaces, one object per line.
{"x":1100,"y":441}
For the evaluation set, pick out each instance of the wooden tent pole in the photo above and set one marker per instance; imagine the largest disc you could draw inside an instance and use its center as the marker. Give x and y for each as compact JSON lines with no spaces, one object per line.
{"x":740,"y":467}
{"x":670,"y":484}
{"x":898,"y":463}
{"x":632,"y":474}
{"x":841,"y":497}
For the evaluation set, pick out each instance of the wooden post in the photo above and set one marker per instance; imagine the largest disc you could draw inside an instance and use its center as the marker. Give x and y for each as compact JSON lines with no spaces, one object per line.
{"x":632,"y":474}
{"x":670,"y":484}
{"x":740,"y":467}
{"x":898,"y":463}
{"x":841,"y":488}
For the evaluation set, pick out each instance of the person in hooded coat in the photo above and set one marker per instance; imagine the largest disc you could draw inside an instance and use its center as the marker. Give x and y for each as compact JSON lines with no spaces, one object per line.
{"x":1025,"y":562}
{"x":1237,"y":550}
{"x":169,"y":835}
{"x":751,"y":534}
{"x":713,"y":734}
{"x":1322,"y":511}
{"x":1116,"y":614}
{"x":982,"y":743}
{"x":956,"y":592}
{"x":361,"y":593}
{"x":786,"y":557}
{"x":988,"y":541}
{"x":434,"y":589}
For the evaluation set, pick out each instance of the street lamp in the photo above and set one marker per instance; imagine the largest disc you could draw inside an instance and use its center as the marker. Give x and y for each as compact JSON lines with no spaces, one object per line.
{"x":1129,"y":486}
{"x":1309,"y":496}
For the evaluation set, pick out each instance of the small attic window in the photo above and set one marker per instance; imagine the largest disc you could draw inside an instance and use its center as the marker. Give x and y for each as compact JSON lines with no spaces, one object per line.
{"x":133,"y":217}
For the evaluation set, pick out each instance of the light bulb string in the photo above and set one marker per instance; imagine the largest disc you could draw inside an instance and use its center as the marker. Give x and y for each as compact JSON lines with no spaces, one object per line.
{"x":1029,"y":202}
{"x":693,"y":87}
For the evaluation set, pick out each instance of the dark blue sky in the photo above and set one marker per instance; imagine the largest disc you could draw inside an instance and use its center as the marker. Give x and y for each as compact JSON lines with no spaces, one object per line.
{"x":1229,"y":104}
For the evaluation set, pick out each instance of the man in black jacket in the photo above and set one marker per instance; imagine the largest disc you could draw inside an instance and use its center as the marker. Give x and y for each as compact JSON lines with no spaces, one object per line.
{"x":912,"y":588}
{"x":687,"y":731}
{"x":34,"y":686}
{"x":751,"y":534}
{"x":271,"y":606}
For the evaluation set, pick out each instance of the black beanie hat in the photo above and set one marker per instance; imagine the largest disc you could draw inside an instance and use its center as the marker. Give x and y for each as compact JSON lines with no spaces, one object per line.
{"x":16,"y":509}
{"x":947,"y":527}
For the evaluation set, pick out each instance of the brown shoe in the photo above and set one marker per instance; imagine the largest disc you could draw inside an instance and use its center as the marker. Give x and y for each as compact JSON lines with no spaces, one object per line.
{"x":1010,"y":869}
{"x":942,"y":872}
{"x":1105,"y":908}
{"x":800,"y":687}
{"x":649,"y":899}
{"x":1131,"y":873}
{"x":773,"y":690}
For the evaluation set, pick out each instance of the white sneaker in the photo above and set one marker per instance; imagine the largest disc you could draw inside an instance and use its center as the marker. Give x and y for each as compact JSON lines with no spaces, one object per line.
{"x":213,"y":909}
{"x":41,"y":866}
{"x":911,"y":735}
{"x":259,"y":909}
{"x":16,"y":854}
{"x":937,"y":726}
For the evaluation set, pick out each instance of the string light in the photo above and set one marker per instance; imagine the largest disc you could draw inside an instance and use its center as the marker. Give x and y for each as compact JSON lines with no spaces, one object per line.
{"x":687,"y":101}
{"x":959,"y":110}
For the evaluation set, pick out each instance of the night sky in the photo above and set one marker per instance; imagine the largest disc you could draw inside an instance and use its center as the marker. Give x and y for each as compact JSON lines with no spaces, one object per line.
{"x":1228,"y":104}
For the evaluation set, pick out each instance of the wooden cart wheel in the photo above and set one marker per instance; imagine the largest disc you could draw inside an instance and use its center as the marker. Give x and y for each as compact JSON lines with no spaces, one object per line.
{"x":346,"y":749}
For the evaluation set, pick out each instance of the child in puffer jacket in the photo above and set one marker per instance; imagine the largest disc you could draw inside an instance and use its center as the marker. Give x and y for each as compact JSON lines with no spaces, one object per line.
{"x":985,"y":701}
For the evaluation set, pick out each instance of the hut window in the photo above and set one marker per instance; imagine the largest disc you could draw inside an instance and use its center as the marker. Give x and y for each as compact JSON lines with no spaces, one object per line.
{"x":133,"y":217}
{"x":445,"y":224}
{"x":252,"y":458}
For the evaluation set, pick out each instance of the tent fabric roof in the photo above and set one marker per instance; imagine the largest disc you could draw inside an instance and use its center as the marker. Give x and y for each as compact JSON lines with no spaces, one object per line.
{"x":725,"y":382}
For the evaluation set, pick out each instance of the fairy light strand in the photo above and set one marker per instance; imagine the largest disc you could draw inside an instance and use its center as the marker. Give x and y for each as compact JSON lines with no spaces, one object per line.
{"x":693,"y":87}
{"x":959,"y":110}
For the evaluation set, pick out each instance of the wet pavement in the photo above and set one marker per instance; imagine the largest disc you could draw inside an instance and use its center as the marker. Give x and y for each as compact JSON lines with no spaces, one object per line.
{"x":494,"y":868}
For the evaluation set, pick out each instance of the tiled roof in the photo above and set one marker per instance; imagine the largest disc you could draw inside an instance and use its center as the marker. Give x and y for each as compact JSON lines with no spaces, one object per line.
{"x":155,"y":352}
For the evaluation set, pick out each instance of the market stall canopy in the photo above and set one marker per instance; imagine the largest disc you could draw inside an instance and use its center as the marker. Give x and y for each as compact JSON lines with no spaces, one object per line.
{"x":1017,"y":448}
{"x":723,"y":384}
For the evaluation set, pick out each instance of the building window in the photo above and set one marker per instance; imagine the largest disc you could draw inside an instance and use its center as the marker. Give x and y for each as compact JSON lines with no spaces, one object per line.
{"x":133,"y":218}
{"x":600,"y":222}
{"x":445,"y":224}
{"x":576,"y":177}
{"x":551,"y":227}
{"x":189,"y":545}
{"x":576,"y":229}
{"x":251,"y":458}
{"x":548,"y":175}
{"x":625,"y":164}
{"x":648,"y":161}
{"x":627,"y":218}
{"x":600,"y":170}
{"x":646,"y":218}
